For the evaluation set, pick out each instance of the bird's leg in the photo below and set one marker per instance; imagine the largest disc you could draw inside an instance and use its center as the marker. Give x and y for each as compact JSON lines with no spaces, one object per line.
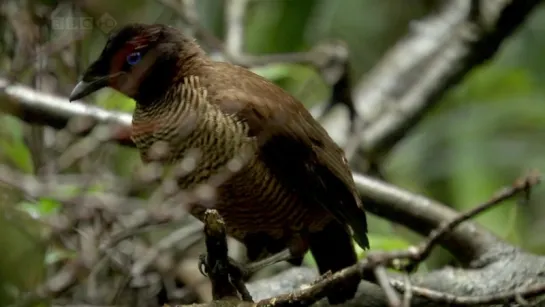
{"x":245,"y":270}
{"x":255,"y":266}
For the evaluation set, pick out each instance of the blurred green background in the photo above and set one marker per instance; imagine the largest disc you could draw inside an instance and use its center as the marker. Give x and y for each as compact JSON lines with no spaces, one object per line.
{"x":484,"y":133}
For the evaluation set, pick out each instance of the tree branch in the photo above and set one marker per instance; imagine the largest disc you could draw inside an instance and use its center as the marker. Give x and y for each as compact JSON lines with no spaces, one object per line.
{"x":436,"y":55}
{"x":467,"y":242}
{"x":377,"y":261}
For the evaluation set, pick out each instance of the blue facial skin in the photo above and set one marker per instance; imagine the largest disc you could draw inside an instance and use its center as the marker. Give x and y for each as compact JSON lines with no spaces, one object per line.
{"x":134,"y":58}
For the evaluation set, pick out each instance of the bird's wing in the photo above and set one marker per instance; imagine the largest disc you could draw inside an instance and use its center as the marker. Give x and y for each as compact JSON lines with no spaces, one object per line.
{"x":296,"y":148}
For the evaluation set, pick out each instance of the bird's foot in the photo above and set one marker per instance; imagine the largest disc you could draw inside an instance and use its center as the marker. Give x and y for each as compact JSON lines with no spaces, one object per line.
{"x":234,"y":269}
{"x":224,"y":276}
{"x":245,"y":270}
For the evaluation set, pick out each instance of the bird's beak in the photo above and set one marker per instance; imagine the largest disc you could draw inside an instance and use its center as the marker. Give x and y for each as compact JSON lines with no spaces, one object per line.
{"x":84,"y":88}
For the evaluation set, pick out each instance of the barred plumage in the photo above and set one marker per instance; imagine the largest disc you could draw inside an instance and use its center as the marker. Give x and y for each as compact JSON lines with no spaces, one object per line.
{"x":220,"y":138}
{"x":293,"y":188}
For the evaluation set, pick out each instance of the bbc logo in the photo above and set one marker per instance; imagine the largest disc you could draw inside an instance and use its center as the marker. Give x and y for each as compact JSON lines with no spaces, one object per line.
{"x":105,"y":23}
{"x":72,"y":23}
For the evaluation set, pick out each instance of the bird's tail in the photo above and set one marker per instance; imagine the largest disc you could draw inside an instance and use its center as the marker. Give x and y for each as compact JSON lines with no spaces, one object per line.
{"x":358,"y":224}
{"x":332,"y":248}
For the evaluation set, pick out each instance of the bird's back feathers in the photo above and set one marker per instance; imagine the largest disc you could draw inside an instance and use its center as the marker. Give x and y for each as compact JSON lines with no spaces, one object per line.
{"x":297,"y":149}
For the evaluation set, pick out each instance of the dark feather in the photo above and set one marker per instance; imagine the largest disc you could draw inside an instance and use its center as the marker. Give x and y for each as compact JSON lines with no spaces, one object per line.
{"x":295,"y":146}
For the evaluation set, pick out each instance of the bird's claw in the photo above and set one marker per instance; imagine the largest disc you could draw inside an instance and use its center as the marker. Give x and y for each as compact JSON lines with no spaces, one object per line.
{"x":233,"y":267}
{"x":203,"y":266}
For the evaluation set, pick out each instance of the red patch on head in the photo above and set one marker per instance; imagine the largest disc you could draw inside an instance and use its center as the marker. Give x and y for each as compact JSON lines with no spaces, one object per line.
{"x":120,"y":57}
{"x":136,"y":43}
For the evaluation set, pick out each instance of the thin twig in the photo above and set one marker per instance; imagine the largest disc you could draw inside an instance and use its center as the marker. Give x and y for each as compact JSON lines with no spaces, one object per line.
{"x":522,"y":185}
{"x":408,"y":293}
{"x":382,"y":278}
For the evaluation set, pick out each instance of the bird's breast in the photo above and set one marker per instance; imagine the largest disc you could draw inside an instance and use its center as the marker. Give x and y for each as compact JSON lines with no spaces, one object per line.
{"x":200,"y":142}
{"x":214,"y":150}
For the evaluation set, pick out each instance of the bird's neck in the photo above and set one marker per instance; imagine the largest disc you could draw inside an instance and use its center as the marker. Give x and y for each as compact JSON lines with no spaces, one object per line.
{"x":167,"y":71}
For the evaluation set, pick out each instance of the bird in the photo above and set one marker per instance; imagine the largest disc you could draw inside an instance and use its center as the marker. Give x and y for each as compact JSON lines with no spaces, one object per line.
{"x":289,"y":187}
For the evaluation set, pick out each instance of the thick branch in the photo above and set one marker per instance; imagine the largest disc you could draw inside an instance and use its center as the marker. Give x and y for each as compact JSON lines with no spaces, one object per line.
{"x":40,"y":108}
{"x":433,"y":57}
{"x":467,"y":242}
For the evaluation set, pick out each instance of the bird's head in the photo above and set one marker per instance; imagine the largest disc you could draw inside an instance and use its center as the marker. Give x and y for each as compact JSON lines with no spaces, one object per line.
{"x":140,"y":61}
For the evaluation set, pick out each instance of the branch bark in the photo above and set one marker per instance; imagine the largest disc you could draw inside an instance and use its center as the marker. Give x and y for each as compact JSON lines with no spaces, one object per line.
{"x":433,"y":57}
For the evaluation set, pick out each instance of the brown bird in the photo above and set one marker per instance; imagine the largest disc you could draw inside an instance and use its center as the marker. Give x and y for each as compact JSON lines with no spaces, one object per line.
{"x":293,"y":190}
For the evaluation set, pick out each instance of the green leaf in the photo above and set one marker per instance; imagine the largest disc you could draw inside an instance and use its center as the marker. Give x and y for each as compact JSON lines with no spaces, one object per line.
{"x":44,"y":207}
{"x":12,"y":146}
{"x":18,"y":154}
{"x":48,"y":206}
{"x":383,"y":243}
{"x":309,"y":260}
{"x":13,"y":127}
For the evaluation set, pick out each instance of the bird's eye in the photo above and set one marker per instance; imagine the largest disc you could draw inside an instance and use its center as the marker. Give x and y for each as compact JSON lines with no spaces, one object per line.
{"x":133,"y":58}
